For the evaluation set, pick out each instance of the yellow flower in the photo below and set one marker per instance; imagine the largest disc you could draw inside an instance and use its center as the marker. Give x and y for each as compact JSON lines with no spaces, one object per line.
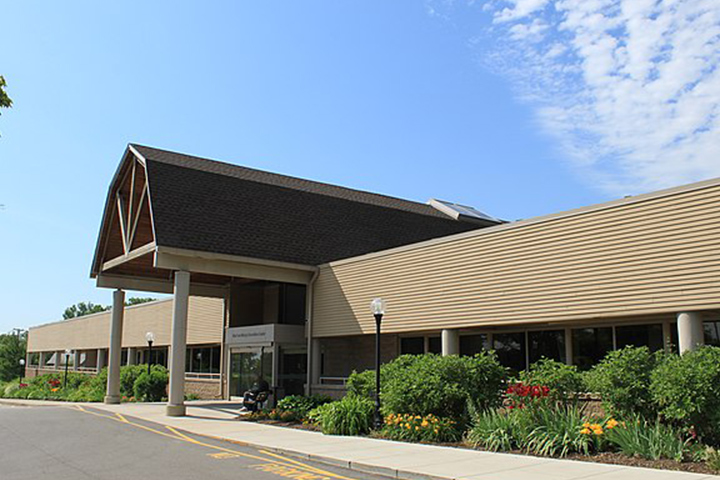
{"x":598,"y":431}
{"x":595,"y":426}
{"x":408,"y":426}
{"x":585,"y":431}
{"x":586,"y":424}
{"x":424,"y":423}
{"x":55,"y":389}
{"x":612,"y":423}
{"x":417,"y":428}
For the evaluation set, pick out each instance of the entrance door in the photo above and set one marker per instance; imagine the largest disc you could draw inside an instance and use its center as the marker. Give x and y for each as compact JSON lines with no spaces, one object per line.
{"x":247,"y":366}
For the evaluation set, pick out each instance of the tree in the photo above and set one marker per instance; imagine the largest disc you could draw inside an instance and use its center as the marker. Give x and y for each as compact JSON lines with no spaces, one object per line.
{"x":83,"y":308}
{"x":12,"y":350}
{"x":5,"y":101}
{"x":138,"y":300}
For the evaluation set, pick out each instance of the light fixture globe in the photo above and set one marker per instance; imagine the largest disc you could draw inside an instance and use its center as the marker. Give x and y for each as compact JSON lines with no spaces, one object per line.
{"x":150,"y":337}
{"x":22,"y":362}
{"x":68,"y":351}
{"x":377,"y":306}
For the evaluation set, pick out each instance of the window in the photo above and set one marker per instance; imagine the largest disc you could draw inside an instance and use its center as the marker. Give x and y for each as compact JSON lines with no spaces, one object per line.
{"x":590,"y":345}
{"x":412,"y":346}
{"x":510,"y":350}
{"x":650,"y":336}
{"x":548,"y":344}
{"x":203,"y":360}
{"x":712,"y":333}
{"x":473,"y":344}
{"x":434,"y":345}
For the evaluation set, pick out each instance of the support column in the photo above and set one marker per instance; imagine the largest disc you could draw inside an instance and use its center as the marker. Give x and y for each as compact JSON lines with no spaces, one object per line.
{"x":60,"y":359}
{"x":116,"y":328}
{"x":316,"y":369}
{"x":132,"y":356}
{"x":450,"y":342}
{"x":100,"y":362}
{"x":568,"y":346}
{"x":41,"y":360}
{"x":76,"y":360}
{"x":176,"y":403}
{"x":667,"y":336}
{"x":690,"y":331}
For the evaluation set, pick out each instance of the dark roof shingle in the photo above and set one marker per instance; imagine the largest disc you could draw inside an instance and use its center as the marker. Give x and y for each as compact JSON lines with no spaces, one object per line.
{"x":216,"y":207}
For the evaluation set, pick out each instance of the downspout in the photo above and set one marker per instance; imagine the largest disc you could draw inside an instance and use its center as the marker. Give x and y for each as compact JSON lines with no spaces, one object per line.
{"x":309,"y":322}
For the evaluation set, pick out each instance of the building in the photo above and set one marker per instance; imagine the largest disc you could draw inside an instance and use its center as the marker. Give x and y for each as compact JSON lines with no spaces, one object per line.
{"x":288,"y":268}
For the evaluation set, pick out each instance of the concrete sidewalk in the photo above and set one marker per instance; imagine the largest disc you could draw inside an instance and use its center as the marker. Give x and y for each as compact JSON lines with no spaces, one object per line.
{"x":394,"y":459}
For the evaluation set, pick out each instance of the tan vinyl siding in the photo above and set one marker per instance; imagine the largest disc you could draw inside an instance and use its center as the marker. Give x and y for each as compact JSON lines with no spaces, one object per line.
{"x":205,"y":325}
{"x":654,"y":254}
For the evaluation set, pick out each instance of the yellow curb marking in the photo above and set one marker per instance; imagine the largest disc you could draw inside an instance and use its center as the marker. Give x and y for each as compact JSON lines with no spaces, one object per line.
{"x":286,"y":467}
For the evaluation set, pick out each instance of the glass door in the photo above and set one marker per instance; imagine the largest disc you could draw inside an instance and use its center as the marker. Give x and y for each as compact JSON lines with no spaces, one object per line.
{"x":247,"y":367}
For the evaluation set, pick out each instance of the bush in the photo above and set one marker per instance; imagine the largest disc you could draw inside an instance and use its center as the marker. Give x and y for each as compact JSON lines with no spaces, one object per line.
{"x":435,"y":385}
{"x":712,"y":459}
{"x":547,"y":430}
{"x":415,"y":428}
{"x":151,"y":387}
{"x":623,"y":380}
{"x":686,"y":390}
{"x":297,"y":407}
{"x":565,"y":383}
{"x":128,"y":375}
{"x":353,"y":415}
{"x":652,"y":440}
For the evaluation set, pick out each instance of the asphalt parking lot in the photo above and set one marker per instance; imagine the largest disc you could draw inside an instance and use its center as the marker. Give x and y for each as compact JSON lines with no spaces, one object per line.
{"x":75,"y":443}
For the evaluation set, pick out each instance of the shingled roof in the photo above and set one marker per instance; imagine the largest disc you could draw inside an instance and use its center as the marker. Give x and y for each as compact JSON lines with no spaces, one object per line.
{"x":211,"y":206}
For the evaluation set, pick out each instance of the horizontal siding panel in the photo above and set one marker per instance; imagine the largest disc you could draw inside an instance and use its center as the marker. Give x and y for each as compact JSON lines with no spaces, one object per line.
{"x":205,"y":325}
{"x":658,"y":256}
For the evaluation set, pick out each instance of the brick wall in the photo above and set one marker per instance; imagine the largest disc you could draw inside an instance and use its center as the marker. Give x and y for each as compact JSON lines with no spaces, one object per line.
{"x":205,"y":389}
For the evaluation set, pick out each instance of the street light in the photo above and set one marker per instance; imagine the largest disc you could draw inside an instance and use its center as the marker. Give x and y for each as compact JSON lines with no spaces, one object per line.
{"x":150,"y":337}
{"x":377,"y":306}
{"x":67,"y":361}
{"x":22,"y":369}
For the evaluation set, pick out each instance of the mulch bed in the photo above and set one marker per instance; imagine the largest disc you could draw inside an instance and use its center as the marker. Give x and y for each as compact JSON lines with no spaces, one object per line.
{"x":611,"y":458}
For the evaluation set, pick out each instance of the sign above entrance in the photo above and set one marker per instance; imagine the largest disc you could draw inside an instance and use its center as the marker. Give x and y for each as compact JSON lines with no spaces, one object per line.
{"x":265,"y":334}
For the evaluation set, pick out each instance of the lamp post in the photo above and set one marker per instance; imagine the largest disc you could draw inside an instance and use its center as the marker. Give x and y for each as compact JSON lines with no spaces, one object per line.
{"x":150,"y":337}
{"x":67,"y":361}
{"x":22,"y":369}
{"x":377,"y":306}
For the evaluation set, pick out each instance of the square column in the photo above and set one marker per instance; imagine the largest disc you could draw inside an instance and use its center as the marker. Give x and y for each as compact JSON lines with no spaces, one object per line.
{"x":100,"y":363}
{"x":132,"y":356}
{"x":76,"y":360}
{"x":116,"y":326}
{"x":178,"y":347}
{"x":450,"y":342}
{"x":690,"y":331}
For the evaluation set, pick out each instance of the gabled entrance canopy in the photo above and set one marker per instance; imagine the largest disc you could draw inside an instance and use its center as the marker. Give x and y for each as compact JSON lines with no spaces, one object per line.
{"x":179,"y":224}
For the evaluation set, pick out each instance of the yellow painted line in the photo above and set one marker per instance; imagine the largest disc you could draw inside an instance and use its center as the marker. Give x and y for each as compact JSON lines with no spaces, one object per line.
{"x":285,"y":462}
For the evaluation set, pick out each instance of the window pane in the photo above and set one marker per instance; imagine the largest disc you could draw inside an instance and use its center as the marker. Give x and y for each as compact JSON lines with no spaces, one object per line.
{"x":510,"y":350}
{"x":549,"y":344}
{"x":650,"y":336}
{"x":712,"y":333}
{"x":215,"y":360}
{"x":412,"y":346}
{"x":590,"y":345}
{"x":472,"y":344}
{"x":434,"y":345}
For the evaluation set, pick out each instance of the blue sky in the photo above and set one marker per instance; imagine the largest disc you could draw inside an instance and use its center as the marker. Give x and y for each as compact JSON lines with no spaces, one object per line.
{"x":519,"y":108}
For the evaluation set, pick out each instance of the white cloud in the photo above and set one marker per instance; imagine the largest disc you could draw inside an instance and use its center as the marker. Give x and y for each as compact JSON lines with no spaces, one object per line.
{"x":630,"y":88}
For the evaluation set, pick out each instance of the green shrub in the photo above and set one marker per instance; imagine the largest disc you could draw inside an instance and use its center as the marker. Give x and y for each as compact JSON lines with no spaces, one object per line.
{"x":712,"y":459}
{"x":652,"y":440}
{"x":353,"y":415}
{"x":494,"y":431}
{"x":435,"y":385}
{"x":297,"y":407}
{"x":151,"y":387}
{"x":564,"y":381}
{"x":547,"y":430}
{"x":128,"y":375}
{"x":416,"y":428}
{"x":623,"y":380}
{"x":686,"y":390}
